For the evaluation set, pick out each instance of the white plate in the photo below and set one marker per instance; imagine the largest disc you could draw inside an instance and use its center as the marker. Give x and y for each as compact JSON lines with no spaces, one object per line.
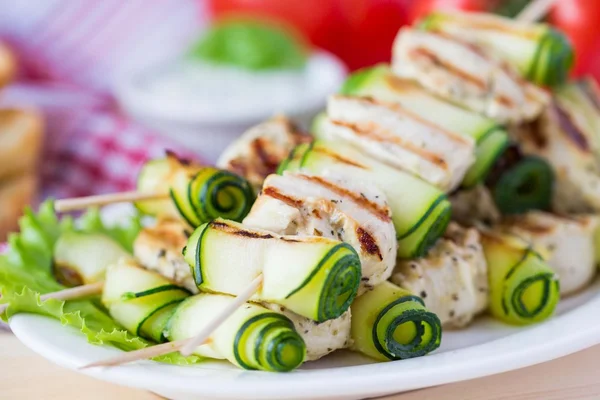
{"x":486,"y":347}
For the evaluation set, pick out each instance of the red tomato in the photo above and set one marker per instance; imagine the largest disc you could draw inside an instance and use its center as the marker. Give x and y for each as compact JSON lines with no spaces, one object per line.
{"x":580,"y":21}
{"x":421,"y":8}
{"x":360,"y":32}
{"x":318,"y":20}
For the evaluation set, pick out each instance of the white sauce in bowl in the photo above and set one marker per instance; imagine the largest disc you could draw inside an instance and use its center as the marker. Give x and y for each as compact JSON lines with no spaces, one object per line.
{"x":195,"y":92}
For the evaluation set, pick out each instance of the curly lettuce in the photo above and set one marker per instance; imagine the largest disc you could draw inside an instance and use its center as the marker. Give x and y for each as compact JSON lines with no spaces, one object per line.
{"x":26,"y":273}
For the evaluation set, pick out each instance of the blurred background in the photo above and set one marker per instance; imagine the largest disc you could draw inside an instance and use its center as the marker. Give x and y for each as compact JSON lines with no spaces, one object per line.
{"x":92,"y":89}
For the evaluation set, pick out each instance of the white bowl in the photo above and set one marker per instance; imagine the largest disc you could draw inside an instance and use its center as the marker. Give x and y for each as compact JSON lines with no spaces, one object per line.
{"x":207,"y":128}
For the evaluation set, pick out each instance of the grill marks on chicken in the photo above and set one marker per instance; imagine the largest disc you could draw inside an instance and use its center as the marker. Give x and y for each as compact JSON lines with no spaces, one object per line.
{"x":302,"y":204}
{"x":466,"y":75}
{"x":401,"y":139}
{"x":258,"y":152}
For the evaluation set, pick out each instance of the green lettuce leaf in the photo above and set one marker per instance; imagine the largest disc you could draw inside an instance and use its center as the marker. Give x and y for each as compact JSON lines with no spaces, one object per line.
{"x":26,"y":273}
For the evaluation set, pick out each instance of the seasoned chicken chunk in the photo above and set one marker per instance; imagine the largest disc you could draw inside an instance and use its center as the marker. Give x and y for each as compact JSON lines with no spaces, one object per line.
{"x":320,"y":338}
{"x":464,"y":74}
{"x":159,"y":247}
{"x":567,"y":243}
{"x":452,"y":279}
{"x":258,"y":152}
{"x":303,"y":204}
{"x":401,"y":138}
{"x":472,"y":206}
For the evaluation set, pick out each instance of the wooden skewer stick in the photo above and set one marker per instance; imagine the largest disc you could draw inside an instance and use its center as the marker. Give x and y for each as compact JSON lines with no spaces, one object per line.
{"x":535,"y":10}
{"x":185,"y":346}
{"x":79,"y":203}
{"x":68,"y":294}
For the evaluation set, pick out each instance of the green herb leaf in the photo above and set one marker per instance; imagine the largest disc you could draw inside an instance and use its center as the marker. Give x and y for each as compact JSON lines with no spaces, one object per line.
{"x":250,"y":44}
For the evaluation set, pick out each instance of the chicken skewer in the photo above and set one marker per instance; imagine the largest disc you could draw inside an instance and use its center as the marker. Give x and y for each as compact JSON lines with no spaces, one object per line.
{"x":176,"y":188}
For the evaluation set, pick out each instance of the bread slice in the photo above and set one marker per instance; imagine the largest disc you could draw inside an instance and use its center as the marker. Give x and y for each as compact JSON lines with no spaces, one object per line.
{"x":21,"y":133}
{"x":8,"y":65}
{"x":15,"y":193}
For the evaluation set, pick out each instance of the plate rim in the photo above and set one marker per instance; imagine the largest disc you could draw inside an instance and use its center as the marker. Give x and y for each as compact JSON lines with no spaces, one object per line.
{"x":496,"y":356}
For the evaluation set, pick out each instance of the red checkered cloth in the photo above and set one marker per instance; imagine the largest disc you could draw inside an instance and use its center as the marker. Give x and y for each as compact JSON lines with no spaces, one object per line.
{"x":71,"y":53}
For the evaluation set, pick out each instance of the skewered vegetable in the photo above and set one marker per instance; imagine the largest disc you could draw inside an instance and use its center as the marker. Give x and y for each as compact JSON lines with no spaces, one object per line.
{"x":252,"y":337}
{"x":309,"y":205}
{"x":451,"y":279}
{"x":566,"y":243}
{"x":491,"y":139}
{"x":318,"y":280}
{"x":541,"y":54}
{"x":465,"y":75}
{"x":567,"y":138}
{"x":198,"y":194}
{"x":81,"y":258}
{"x":521,"y":183}
{"x":142,"y":301}
{"x":523,"y":287}
{"x":159,"y":249}
{"x":420,"y":212}
{"x":257,"y":153}
{"x":321,"y":338}
{"x":390,"y":323}
{"x":401,"y":138}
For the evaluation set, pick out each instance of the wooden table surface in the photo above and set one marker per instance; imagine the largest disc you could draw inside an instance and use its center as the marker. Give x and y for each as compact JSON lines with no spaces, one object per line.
{"x":25,"y":375}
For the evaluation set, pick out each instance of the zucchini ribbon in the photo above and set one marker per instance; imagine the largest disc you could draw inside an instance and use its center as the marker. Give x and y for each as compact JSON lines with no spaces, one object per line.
{"x":140,"y":300}
{"x":390,"y":323}
{"x":198,"y":193}
{"x":315,"y":277}
{"x":523,"y":287}
{"x":253,"y":337}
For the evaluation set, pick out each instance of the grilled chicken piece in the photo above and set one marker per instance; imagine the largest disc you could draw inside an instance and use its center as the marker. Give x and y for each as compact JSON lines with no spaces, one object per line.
{"x":567,"y":243}
{"x":158,"y":248}
{"x":473,"y":206}
{"x":258,"y":152}
{"x":402,"y":139}
{"x":320,"y":338}
{"x":302,"y":204}
{"x":451,"y":279}
{"x":466,"y":75}
{"x":567,"y":138}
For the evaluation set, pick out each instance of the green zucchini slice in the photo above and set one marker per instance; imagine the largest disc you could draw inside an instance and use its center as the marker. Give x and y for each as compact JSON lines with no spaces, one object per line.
{"x":542,"y":54}
{"x":390,"y":323}
{"x":252,"y":338}
{"x":81,"y":258}
{"x":140,"y":300}
{"x":379,"y":82}
{"x":523,"y":288}
{"x":420,"y":211}
{"x":315,"y":277}
{"x":211,"y":193}
{"x":521,"y":183}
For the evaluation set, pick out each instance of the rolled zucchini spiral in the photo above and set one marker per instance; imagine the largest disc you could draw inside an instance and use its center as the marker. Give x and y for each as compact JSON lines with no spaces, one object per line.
{"x":523,"y":288}
{"x":315,"y":277}
{"x":252,"y":337}
{"x":390,"y":323}
{"x":198,"y":194}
